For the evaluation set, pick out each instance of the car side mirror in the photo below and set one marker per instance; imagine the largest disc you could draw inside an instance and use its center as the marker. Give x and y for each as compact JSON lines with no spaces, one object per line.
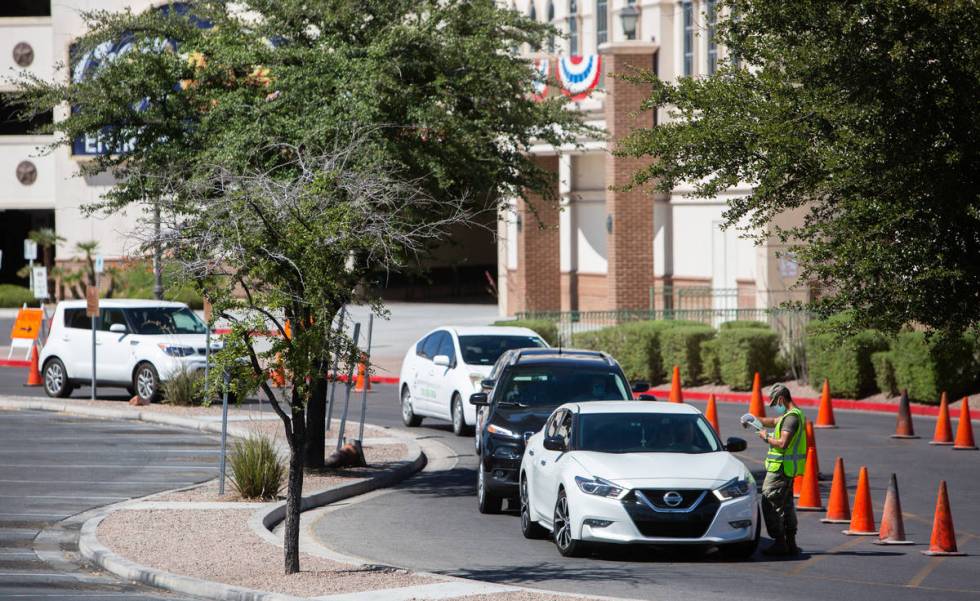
{"x":554,"y":443}
{"x":479,"y":399}
{"x":441,"y":360}
{"x":486,"y":384}
{"x":640,"y":386}
{"x":647,"y":397}
{"x":735,"y":444}
{"x":118,"y":328}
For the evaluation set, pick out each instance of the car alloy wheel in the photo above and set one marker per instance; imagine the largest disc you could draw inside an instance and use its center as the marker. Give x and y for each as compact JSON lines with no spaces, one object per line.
{"x":458,"y":424}
{"x":145,"y":382}
{"x":408,"y":414}
{"x":488,"y":503}
{"x":562,"y":529}
{"x":54,"y":379}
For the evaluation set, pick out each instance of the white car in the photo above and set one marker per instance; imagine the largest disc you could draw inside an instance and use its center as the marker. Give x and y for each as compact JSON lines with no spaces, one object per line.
{"x":447,"y":365}
{"x":139,"y":343}
{"x":637,"y":472}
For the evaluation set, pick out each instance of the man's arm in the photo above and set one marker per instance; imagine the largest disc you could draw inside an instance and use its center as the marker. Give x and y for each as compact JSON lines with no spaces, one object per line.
{"x":790,"y":424}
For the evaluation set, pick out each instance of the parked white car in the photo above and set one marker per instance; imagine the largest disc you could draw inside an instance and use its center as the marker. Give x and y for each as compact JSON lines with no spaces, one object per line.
{"x":637,"y":472}
{"x":139,"y":343}
{"x":447,"y":365}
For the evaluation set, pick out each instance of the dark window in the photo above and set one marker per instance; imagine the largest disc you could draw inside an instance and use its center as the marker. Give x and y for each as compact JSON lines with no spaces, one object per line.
{"x":14,"y":123}
{"x":165,"y":320}
{"x":431,"y":345}
{"x":485,"y":350}
{"x":688,"y":9}
{"x":551,"y":428}
{"x":108,"y":317}
{"x":446,"y":347}
{"x":573,"y":27}
{"x":76,"y":318}
{"x":551,"y":21}
{"x":601,"y":22}
{"x":565,"y":429}
{"x":533,"y":12}
{"x":25,"y":8}
{"x":645,"y":433}
{"x":544,"y":385}
{"x":712,"y":10}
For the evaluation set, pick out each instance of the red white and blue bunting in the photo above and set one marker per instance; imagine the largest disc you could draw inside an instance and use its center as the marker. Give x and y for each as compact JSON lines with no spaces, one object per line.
{"x":579,"y":75}
{"x":542,"y":71}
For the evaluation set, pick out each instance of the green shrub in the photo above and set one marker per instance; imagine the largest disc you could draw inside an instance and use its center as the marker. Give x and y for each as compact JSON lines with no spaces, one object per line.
{"x":184,"y":387}
{"x":256,"y":472}
{"x":928,"y":365}
{"x":681,"y":346}
{"x":740,"y":324}
{"x":15,"y":296}
{"x":636,"y":345}
{"x":744,"y":351}
{"x":884,"y":372}
{"x":548,"y":330}
{"x":710,"y":366}
{"x":843,"y":359}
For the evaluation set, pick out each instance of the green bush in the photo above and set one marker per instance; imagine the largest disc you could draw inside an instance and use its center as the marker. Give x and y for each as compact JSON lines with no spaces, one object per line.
{"x":256,"y":472}
{"x":927,"y":365}
{"x":636,"y":345}
{"x":710,"y":366}
{"x":15,"y":296}
{"x":884,"y":372}
{"x":681,"y":346}
{"x":843,"y":359}
{"x":548,"y":330}
{"x":744,"y":351}
{"x":740,"y":324}
{"x":184,"y":387}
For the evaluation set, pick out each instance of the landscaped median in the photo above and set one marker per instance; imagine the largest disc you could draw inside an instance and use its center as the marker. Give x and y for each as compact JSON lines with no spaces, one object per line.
{"x":193,"y":541}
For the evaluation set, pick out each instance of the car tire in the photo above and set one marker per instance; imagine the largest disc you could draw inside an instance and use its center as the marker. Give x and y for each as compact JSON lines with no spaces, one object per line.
{"x":529,"y":528}
{"x":56,"y":379}
{"x":459,"y":420}
{"x":561,"y":532}
{"x":146,"y":382}
{"x":408,"y":414}
{"x":487,"y":501}
{"x":745,"y":550}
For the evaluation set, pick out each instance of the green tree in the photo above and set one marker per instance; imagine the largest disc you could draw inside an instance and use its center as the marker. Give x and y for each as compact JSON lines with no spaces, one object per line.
{"x":863,"y":117}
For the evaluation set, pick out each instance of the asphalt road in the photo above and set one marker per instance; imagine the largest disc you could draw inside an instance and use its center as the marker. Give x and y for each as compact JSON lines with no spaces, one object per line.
{"x":431,"y":522}
{"x":53,"y":466}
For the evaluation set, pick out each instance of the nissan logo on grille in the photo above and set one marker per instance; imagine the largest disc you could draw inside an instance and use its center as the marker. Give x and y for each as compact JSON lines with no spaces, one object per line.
{"x":673,"y":498}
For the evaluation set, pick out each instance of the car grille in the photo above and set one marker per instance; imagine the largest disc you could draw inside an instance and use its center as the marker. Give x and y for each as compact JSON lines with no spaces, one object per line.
{"x":202,"y":351}
{"x":691,"y":518}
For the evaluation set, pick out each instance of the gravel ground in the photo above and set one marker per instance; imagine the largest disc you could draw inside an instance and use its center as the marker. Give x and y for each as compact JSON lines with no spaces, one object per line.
{"x":218,"y":545}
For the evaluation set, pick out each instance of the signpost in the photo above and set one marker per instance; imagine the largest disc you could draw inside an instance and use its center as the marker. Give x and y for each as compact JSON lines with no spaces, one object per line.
{"x":92,"y":310}
{"x":350,"y":384}
{"x":30,"y":254}
{"x":224,"y":434}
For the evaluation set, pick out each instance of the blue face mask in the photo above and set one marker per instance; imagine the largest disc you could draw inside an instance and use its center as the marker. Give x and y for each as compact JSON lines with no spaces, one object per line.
{"x":779,"y":409}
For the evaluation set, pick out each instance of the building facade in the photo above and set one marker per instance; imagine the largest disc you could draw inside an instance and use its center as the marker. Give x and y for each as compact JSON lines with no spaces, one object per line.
{"x":602,"y":248}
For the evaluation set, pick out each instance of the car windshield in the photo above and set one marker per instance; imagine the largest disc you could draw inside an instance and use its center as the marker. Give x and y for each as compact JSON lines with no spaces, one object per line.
{"x":165,"y":320}
{"x":644,"y":433}
{"x":485,"y":350}
{"x":553,"y":385}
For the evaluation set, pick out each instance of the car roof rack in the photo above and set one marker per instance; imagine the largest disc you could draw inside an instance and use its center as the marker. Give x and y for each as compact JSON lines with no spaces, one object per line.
{"x":559,"y":351}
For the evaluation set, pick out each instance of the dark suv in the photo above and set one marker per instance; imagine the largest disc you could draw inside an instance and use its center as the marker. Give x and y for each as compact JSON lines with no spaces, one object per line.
{"x":530,"y":385}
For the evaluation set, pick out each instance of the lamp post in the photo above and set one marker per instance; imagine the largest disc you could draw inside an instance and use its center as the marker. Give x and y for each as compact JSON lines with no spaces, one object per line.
{"x":629,"y":15}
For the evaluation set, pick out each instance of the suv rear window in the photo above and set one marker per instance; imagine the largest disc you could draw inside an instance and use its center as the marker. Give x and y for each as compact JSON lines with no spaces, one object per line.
{"x":552,"y":385}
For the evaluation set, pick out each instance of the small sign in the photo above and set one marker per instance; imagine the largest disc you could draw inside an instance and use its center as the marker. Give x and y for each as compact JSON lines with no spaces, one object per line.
{"x":39,"y":282}
{"x":28,"y":323}
{"x":92,"y":301}
{"x":30,"y":250}
{"x":99,"y":264}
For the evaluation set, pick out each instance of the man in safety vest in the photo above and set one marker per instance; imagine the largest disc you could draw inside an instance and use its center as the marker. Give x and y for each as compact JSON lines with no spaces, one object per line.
{"x":786,"y":459}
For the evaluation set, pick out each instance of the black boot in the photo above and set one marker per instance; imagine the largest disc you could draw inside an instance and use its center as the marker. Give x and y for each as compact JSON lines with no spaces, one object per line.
{"x":791,"y":544}
{"x":778,"y":548}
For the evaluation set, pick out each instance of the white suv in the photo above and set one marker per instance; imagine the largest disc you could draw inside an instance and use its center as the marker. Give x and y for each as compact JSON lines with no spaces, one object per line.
{"x":447,"y":365}
{"x":138,"y":344}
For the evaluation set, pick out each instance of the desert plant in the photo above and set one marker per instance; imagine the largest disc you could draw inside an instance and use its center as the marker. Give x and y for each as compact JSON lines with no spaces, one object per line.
{"x":256,"y":471}
{"x":184,"y":387}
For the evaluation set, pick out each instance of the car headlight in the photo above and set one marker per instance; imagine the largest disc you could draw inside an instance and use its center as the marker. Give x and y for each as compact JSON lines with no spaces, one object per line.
{"x":176,"y":350}
{"x":505,"y":451}
{"x":734,"y":488}
{"x":599,"y":487}
{"x":495,"y":429}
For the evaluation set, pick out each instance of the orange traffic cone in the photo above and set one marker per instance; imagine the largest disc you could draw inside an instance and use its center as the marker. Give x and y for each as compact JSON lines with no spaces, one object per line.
{"x":943,"y":539}
{"x":810,"y":494}
{"x":944,"y":431}
{"x":33,"y":373}
{"x":825,"y":415}
{"x":811,"y":443}
{"x":756,"y":407}
{"x":892,"y":525}
{"x":711,"y":414}
{"x":964,"y":431}
{"x":359,"y":383}
{"x":904,"y":429}
{"x":676,"y":396}
{"x":863,"y":518}
{"x":838,"y":508}
{"x":277,"y":374}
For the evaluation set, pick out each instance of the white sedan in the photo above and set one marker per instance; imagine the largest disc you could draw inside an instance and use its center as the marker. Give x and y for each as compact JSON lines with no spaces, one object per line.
{"x":637,"y":472}
{"x":447,"y":365}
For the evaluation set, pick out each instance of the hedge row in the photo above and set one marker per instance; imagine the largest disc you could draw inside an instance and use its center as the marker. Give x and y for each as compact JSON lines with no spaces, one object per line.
{"x":741,"y":352}
{"x":548,"y":330}
{"x":843,"y":360}
{"x":15,"y":296}
{"x":638,"y":346}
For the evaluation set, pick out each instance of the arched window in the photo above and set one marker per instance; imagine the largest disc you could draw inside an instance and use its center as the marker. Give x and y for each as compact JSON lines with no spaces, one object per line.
{"x":551,"y":21}
{"x":573,"y":48}
{"x":601,"y":22}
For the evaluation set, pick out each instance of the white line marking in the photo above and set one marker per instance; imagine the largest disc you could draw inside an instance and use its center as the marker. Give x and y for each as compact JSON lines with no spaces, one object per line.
{"x":134,"y":466}
{"x":118,"y":483}
{"x":33,"y":497}
{"x":35,"y":515}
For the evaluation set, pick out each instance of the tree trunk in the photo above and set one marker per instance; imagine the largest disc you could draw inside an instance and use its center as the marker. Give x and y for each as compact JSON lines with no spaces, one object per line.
{"x":157,"y":254}
{"x":294,"y":490}
{"x":316,"y":415}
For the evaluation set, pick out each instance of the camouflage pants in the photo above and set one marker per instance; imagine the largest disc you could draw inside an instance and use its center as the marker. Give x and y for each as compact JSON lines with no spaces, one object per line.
{"x":777,"y":504}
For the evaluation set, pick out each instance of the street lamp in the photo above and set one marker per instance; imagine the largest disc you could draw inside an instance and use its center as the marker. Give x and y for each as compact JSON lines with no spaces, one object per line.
{"x":629,"y":16}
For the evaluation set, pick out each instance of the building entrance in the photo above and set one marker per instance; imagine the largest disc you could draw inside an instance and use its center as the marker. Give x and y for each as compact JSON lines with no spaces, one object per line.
{"x":14,"y":227}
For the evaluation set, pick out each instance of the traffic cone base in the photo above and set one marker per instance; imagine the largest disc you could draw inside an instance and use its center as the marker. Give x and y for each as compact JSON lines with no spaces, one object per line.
{"x":973,"y":448}
{"x":906,"y":436}
{"x":828,"y":521}
{"x":894,"y":542}
{"x":859,"y":533}
{"x":941,"y":444}
{"x":943,"y":553}
{"x":819,"y":427}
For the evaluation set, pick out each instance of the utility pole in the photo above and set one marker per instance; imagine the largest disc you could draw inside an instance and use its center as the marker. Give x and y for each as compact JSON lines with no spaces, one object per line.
{"x":157,"y":254}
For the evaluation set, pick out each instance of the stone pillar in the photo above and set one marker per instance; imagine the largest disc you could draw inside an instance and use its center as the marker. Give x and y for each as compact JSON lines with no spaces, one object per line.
{"x":534,"y":285}
{"x":630,"y":243}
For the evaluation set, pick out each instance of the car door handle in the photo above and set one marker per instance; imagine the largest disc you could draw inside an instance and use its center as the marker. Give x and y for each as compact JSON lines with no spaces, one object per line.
{"x":543,"y":462}
{"x":531,"y":453}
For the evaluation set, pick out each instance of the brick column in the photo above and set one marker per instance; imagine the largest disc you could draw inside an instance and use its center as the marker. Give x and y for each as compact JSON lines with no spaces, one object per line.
{"x":630,"y":243}
{"x":535,"y":285}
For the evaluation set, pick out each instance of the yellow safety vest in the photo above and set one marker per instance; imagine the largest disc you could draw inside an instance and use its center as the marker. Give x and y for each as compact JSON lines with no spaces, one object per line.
{"x":792,"y":459}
